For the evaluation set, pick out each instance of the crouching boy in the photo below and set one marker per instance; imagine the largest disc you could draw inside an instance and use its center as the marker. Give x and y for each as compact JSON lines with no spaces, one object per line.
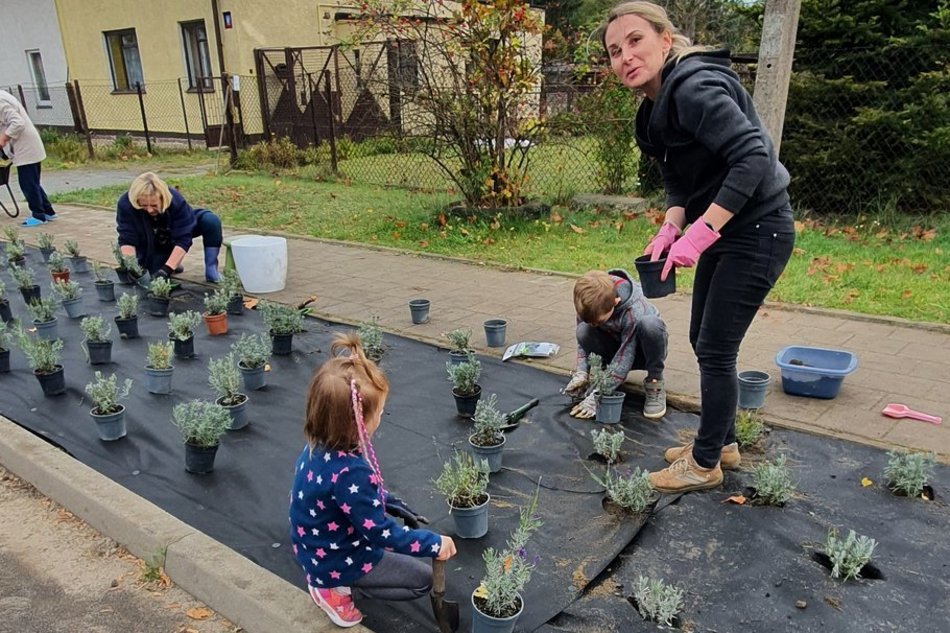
{"x":615,"y":321}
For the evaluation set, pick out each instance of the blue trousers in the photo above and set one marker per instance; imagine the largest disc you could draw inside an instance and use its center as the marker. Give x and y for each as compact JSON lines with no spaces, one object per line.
{"x":29,"y":178}
{"x":732,"y":280}
{"x":207,"y":227}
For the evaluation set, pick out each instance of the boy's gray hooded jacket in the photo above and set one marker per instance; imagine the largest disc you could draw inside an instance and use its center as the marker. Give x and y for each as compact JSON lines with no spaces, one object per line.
{"x":633,"y":305}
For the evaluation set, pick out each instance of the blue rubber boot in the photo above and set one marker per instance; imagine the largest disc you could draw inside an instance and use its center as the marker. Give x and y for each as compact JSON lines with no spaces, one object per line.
{"x":211,"y":264}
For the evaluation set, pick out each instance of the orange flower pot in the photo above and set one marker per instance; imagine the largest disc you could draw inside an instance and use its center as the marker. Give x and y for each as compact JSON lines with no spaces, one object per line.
{"x":63,"y":276}
{"x":217,"y":323}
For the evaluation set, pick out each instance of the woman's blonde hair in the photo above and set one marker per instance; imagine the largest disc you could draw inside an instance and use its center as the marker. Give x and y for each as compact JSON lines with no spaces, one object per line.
{"x":659,"y":20}
{"x":331,"y":414}
{"x":149,"y":184}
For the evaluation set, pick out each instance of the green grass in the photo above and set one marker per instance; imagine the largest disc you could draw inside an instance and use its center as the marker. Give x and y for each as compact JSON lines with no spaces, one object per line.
{"x":865,"y":269}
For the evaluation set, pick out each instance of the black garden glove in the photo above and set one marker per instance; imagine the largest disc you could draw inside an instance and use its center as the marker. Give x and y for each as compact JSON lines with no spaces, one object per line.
{"x":398,"y":508}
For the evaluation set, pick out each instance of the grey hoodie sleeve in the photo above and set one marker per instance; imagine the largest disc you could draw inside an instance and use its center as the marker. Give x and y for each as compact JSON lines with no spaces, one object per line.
{"x":707,"y":108}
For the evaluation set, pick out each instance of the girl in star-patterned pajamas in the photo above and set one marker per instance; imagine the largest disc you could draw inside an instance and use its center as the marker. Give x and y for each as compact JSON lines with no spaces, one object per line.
{"x":341,"y":534}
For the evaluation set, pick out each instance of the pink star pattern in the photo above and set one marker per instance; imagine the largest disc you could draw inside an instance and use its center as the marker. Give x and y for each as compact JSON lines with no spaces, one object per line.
{"x":310,"y":475}
{"x":301,"y":531}
{"x":368,"y":523}
{"x":346,"y":509}
{"x":321,"y":553}
{"x":333,"y":526}
{"x":414,"y":547}
{"x":335,"y":575}
{"x":368,"y":567}
{"x":321,"y":506}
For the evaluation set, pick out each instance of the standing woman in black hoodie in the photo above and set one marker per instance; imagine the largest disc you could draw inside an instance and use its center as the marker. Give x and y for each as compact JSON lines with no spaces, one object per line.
{"x":726,"y":189}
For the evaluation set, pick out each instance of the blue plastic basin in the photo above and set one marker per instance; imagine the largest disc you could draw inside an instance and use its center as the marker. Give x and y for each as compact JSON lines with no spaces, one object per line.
{"x":816,"y":372}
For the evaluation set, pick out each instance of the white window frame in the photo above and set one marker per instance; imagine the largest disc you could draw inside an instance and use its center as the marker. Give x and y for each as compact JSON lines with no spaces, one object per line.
{"x":197,"y":55}
{"x":128,"y":77}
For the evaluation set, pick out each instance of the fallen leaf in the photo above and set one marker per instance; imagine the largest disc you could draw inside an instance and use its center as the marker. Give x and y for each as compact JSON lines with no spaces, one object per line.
{"x":906,"y":294}
{"x":556,"y":217}
{"x":488,"y":241}
{"x":628,"y":215}
{"x":798,"y":251}
{"x":463,"y":231}
{"x":400,"y":224}
{"x":442,"y":220}
{"x":250,"y":303}
{"x":865,"y":482}
{"x":577,"y":229}
{"x":199,"y":613}
{"x":736,"y":499}
{"x":799,"y":226}
{"x":423,"y":244}
{"x":919,"y":268}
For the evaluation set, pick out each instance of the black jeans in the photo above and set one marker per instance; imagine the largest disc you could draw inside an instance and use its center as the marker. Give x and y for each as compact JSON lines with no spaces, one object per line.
{"x":28,"y":177}
{"x":649,"y":340}
{"x":732,"y":280}
{"x":207,"y":227}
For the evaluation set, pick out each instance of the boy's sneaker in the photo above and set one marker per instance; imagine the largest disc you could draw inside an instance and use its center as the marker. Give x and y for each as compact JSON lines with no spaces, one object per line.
{"x":654,"y":404}
{"x":684,"y":475}
{"x":339,"y":607}
{"x":729,"y":458}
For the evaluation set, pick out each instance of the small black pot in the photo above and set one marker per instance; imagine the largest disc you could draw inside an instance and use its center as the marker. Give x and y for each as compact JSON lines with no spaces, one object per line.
{"x":236,"y":305}
{"x":19,"y":261}
{"x":158,"y":306}
{"x":4,"y":361}
{"x":128,"y":328}
{"x":184,"y":349}
{"x":106,"y":290}
{"x":54,"y":383}
{"x":79,"y":264}
{"x":465,"y":405}
{"x":649,"y":273}
{"x":281,"y":344}
{"x":199,"y":460}
{"x":5,"y":314}
{"x":100,"y":352}
{"x":123,"y":275}
{"x":31,"y":294}
{"x":46,"y":252}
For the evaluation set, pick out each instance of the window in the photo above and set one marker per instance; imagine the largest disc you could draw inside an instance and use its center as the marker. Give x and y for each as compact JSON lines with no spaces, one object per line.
{"x":124,"y":60}
{"x":403,"y":66}
{"x":39,"y":78}
{"x":197,"y":58}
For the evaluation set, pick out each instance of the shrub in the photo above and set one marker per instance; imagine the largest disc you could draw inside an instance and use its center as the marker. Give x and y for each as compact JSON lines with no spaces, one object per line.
{"x":217,"y":301}
{"x":118,"y":256}
{"x":464,"y":376}
{"x":45,"y":241}
{"x":23,"y":276}
{"x":6,"y":335}
{"x":463,"y":481}
{"x":907,"y":473}
{"x":601,"y":378}
{"x":631,"y":492}
{"x":371,"y":338}
{"x":42,"y":355}
{"x":201,"y":423}
{"x":72,"y":248}
{"x":15,"y":250}
{"x":230,"y":282}
{"x":460,"y":339}
{"x":657,"y":601}
{"x":128,"y":305}
{"x":131,"y":264}
{"x":608,"y":444}
{"x":279,"y":153}
{"x":488,"y":422}
{"x":67,"y":290}
{"x":252,"y":350}
{"x":42,"y":310}
{"x":12,"y":235}
{"x":749,"y":427}
{"x":105,"y":393}
{"x":159,"y":355}
{"x":225,"y":379}
{"x":95,"y":329}
{"x":773,"y":482}
{"x":281,"y":319}
{"x":181,"y":325}
{"x":160,"y":287}
{"x":848,"y":555}
{"x":57,"y":263}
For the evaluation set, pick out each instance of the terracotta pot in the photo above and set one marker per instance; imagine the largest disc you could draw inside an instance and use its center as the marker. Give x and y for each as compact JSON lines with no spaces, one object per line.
{"x":63,"y":276}
{"x":217,"y":323}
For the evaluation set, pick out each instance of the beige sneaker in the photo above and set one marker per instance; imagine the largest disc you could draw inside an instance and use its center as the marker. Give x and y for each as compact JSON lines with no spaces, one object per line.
{"x":684,"y":475}
{"x":729,"y":459}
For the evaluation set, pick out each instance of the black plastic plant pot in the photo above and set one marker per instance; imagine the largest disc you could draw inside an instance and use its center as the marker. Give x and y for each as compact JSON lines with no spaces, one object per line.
{"x":281,"y":344}
{"x":31,"y":294}
{"x":6,"y":315}
{"x":19,"y":261}
{"x":128,"y":328}
{"x":238,"y":412}
{"x":649,"y":273}
{"x":158,"y":306}
{"x":53,"y":383}
{"x":466,"y":404}
{"x":123,"y":275}
{"x":184,"y":349}
{"x":4,"y":361}
{"x":46,"y":252}
{"x":106,"y":290}
{"x":79,"y":264}
{"x":254,"y":378}
{"x":236,"y":305}
{"x":199,"y":460}
{"x":100,"y":352}
{"x":110,"y":426}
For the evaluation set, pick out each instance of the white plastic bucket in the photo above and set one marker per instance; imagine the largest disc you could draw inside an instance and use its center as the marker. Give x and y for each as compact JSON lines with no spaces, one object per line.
{"x":261,"y":262}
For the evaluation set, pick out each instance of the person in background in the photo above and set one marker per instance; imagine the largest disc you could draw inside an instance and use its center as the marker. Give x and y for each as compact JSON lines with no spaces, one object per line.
{"x":21,"y":144}
{"x":728,"y":212}
{"x":157,"y":226}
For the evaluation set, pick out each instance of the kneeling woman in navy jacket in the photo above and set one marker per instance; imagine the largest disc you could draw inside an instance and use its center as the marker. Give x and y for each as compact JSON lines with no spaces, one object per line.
{"x":156,"y":225}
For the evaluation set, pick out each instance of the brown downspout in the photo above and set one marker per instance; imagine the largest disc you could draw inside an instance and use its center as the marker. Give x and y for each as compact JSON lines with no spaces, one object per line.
{"x":225,"y":83}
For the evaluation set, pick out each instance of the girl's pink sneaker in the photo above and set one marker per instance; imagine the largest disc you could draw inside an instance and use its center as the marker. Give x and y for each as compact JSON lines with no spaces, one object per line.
{"x":338,"y":606}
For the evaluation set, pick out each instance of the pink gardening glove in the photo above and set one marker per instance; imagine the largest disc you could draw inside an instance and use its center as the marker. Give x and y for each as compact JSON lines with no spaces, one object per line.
{"x":662,"y":241}
{"x":686,"y":251}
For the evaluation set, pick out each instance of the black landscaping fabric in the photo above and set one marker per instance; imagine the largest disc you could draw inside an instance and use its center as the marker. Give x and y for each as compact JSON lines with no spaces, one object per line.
{"x":743,"y":568}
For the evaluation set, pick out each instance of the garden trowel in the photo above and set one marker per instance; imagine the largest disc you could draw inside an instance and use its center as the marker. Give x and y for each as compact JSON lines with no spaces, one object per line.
{"x":446,"y":612}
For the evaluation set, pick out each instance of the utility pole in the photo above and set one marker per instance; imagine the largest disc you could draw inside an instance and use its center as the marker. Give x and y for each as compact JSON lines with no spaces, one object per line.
{"x":226,"y":86}
{"x":776,"y":52}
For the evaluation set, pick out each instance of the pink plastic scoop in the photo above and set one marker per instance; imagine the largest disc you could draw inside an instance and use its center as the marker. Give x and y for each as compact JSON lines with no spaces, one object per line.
{"x":903,"y":411}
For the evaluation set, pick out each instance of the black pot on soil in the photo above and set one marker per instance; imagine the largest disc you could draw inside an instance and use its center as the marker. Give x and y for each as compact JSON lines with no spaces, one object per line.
{"x":5,"y":314}
{"x":281,"y":344}
{"x":159,"y":381}
{"x":110,"y":426}
{"x":30,"y":294}
{"x":46,"y":252}
{"x":158,"y":306}
{"x":236,"y":305}
{"x":106,"y":290}
{"x":123,"y":275}
{"x":128,"y":328}
{"x":79,"y":264}
{"x":199,"y":460}
{"x":100,"y":352}
{"x":4,"y":361}
{"x":184,"y":349}
{"x":19,"y":261}
{"x":466,"y":404}
{"x":54,"y":383}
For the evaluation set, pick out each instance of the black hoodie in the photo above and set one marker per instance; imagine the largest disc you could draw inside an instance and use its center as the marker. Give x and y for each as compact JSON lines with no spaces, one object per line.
{"x":711,"y":145}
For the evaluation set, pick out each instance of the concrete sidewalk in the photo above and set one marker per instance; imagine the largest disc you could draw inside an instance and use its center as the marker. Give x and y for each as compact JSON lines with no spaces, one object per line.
{"x":900,"y":361}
